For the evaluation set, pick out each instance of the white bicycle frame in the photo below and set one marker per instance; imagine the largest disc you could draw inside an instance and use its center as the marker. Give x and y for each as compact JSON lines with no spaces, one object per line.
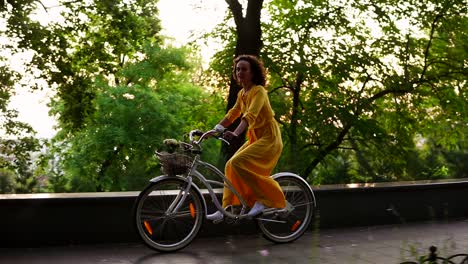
{"x":181,"y":196}
{"x":226,"y":183}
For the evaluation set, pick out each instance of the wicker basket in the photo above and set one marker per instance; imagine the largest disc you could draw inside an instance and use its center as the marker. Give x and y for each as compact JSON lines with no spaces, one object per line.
{"x":175,"y":163}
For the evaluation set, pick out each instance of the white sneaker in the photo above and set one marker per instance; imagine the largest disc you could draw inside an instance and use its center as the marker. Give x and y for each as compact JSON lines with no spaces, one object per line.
{"x":215,"y":217}
{"x":256,"y":209}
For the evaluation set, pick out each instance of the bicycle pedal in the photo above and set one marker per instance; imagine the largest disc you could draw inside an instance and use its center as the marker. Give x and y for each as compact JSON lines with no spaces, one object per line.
{"x":233,"y":221}
{"x":253,"y":217}
{"x":217,"y":221}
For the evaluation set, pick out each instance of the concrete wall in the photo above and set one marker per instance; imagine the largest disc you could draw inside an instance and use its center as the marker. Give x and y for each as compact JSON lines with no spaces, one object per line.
{"x":58,"y":219}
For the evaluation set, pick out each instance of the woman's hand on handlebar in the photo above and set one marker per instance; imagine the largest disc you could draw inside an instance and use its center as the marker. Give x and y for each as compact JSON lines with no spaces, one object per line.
{"x":219,"y":135}
{"x":229,"y":135}
{"x":213,"y":133}
{"x":207,"y":134}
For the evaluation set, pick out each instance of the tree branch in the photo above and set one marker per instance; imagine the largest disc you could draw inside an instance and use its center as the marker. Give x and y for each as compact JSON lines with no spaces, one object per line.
{"x":324,"y":152}
{"x":279,"y":87}
{"x":43,"y":6}
{"x":429,"y":44}
{"x":236,"y":10}
{"x":254,"y":10}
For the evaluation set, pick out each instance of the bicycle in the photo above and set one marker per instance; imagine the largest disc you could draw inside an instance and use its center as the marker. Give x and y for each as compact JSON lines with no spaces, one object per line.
{"x":170,"y":211}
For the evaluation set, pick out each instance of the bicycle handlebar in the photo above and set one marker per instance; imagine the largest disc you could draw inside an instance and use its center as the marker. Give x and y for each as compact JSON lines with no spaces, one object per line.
{"x":204,"y":135}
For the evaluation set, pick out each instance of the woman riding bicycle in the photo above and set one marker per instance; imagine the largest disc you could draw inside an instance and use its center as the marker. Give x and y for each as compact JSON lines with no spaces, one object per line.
{"x":250,"y":167}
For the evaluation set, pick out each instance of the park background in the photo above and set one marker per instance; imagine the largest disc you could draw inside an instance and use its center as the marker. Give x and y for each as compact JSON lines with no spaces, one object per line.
{"x":364,"y":91}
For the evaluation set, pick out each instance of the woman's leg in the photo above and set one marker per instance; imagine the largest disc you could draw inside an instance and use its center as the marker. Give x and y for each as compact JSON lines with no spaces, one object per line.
{"x":229,"y":198}
{"x":250,"y":172}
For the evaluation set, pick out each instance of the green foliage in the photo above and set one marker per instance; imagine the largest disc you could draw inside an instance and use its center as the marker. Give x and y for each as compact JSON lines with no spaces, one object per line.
{"x":15,"y":157}
{"x":355,"y":83}
{"x":7,"y":181}
{"x":25,"y":181}
{"x":115,"y":150}
{"x":57,"y":183}
{"x":220,"y":71}
{"x":17,"y":141}
{"x":363,"y":91}
{"x":96,"y":38}
{"x":119,"y":93}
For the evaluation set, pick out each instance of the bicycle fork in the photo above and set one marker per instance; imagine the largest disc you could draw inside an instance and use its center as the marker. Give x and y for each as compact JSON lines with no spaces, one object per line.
{"x":180,"y":198}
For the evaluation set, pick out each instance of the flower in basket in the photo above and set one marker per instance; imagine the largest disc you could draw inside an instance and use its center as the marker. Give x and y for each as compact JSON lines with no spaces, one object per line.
{"x":171,"y":145}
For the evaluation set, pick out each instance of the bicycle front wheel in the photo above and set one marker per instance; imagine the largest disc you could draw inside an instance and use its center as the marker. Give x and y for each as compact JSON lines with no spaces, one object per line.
{"x":168,"y":218}
{"x":290,"y":225}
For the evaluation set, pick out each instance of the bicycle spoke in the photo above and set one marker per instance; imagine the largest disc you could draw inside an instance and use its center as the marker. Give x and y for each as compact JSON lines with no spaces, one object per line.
{"x":155,"y":218}
{"x":302,"y":204}
{"x":161,"y":227}
{"x":151,"y":212}
{"x":272,"y":220}
{"x":184,"y":214}
{"x":290,"y":224}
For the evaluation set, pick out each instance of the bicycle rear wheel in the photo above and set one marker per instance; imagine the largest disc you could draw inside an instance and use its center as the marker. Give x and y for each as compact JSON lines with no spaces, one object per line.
{"x":159,"y":226}
{"x":289,"y":226}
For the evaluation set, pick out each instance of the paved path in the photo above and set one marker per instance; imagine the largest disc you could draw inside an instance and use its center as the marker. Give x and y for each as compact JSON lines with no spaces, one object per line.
{"x":380,"y":244}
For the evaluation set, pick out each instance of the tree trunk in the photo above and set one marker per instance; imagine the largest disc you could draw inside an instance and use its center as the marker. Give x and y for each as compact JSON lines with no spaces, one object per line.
{"x":296,"y":90}
{"x":362,"y":160}
{"x":249,"y":41}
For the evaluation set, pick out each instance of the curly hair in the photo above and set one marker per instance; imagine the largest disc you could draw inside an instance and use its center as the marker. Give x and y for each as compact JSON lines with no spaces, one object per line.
{"x":256,"y":67}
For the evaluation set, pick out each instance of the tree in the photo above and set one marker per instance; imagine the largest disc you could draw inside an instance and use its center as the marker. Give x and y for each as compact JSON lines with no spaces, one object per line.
{"x":116,"y":149}
{"x":349,"y":88}
{"x":248,"y":41}
{"x":119,"y":90}
{"x":6,"y":181}
{"x":102,"y":37}
{"x":353,"y":77}
{"x":17,"y":141}
{"x":97,"y":38}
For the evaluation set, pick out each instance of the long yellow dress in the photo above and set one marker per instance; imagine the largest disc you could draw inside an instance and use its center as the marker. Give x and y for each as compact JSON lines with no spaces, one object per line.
{"x":249,"y":169}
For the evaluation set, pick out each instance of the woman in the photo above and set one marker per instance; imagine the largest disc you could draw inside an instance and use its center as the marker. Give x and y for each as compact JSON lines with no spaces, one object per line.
{"x":250,"y":167}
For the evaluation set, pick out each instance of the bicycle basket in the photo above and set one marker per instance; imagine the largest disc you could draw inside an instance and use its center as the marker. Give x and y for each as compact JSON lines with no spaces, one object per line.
{"x":175,"y":163}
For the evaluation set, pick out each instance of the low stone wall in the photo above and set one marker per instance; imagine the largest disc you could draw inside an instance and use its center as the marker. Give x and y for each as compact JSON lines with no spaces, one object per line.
{"x":77,"y":218}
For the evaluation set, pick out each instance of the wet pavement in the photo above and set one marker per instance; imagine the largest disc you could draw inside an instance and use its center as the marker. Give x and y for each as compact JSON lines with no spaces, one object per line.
{"x":377,"y":244}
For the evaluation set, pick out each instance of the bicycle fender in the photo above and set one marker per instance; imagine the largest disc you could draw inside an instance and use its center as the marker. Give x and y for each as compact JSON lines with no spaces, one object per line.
{"x":163,"y":177}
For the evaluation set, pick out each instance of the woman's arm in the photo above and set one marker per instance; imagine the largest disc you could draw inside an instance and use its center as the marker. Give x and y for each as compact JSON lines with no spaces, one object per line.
{"x":222,"y":125}
{"x":241,"y":127}
{"x":225,"y":122}
{"x":229,"y":135}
